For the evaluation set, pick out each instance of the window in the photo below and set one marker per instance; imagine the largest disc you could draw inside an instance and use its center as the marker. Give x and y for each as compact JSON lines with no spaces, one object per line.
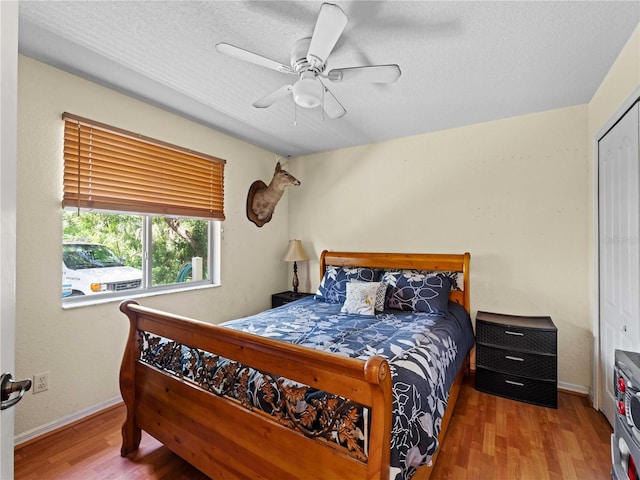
{"x":139,"y":214}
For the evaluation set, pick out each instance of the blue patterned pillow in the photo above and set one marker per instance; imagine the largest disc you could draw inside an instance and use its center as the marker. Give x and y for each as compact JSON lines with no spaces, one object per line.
{"x":417,"y":292}
{"x":333,"y":287}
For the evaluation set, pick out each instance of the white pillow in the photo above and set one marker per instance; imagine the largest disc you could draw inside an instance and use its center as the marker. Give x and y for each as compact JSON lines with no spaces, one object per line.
{"x":361,"y":298}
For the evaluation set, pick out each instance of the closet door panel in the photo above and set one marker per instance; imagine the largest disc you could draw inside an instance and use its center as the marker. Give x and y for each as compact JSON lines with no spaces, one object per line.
{"x":619,"y":240}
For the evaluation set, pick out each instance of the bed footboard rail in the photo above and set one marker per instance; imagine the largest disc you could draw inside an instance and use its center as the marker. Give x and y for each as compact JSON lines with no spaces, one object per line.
{"x":227,"y":439}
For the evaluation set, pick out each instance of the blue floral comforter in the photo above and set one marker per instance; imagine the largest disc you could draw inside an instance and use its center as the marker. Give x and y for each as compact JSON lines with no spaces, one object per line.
{"x":425,"y":352}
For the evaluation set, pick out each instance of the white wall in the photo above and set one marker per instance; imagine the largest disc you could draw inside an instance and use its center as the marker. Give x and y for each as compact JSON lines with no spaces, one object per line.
{"x":513,"y":193}
{"x":81,"y":348}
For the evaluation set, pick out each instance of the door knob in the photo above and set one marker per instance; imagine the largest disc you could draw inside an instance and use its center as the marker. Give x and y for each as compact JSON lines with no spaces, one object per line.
{"x":8,"y":387}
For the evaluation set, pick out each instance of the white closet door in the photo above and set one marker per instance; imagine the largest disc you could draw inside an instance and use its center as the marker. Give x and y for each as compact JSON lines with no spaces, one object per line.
{"x":619,"y":227}
{"x":8,"y":168}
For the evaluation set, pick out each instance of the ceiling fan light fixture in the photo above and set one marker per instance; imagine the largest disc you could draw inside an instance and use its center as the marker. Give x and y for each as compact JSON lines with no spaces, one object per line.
{"x":308,"y":61}
{"x":307,"y":92}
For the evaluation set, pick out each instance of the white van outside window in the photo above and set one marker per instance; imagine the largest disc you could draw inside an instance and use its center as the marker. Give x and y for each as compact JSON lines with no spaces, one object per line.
{"x":90,"y":268}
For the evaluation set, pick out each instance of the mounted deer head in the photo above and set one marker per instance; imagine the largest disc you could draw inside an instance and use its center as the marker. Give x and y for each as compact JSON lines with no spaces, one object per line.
{"x":262,"y":199}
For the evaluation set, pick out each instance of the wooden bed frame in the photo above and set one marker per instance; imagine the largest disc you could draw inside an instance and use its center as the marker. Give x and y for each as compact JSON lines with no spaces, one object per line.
{"x":228,"y":440}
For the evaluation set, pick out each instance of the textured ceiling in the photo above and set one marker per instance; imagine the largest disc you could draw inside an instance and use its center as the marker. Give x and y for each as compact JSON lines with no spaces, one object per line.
{"x":462,"y":62}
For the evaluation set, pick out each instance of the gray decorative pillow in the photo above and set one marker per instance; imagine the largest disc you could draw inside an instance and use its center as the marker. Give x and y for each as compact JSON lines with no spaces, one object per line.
{"x":381,"y":296}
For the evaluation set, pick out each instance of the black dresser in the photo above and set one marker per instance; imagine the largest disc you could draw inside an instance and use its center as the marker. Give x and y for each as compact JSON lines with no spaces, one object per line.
{"x":516,"y":357}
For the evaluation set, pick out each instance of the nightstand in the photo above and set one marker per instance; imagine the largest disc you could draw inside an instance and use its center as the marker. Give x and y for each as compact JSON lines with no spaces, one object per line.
{"x":516,"y":357}
{"x":281,"y":298}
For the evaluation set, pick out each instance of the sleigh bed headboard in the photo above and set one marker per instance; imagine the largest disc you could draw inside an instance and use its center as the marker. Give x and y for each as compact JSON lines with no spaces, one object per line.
{"x":408,"y":261}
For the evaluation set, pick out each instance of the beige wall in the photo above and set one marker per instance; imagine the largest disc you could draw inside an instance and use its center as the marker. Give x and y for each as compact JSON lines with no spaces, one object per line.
{"x":513,"y":193}
{"x":516,"y":193}
{"x":81,"y":348}
{"x":622,"y":80}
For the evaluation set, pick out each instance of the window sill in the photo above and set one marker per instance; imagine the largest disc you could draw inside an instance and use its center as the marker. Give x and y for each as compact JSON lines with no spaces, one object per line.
{"x":91,"y":300}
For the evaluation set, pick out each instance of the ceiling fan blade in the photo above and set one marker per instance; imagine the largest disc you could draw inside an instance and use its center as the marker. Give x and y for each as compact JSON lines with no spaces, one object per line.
{"x":247,"y":56}
{"x":331,"y":105}
{"x":369,"y":74}
{"x":329,"y":26}
{"x":273,"y":97}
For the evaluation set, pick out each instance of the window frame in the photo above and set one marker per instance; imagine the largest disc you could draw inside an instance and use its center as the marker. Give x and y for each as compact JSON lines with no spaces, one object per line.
{"x":214,"y":233}
{"x":111,"y":170}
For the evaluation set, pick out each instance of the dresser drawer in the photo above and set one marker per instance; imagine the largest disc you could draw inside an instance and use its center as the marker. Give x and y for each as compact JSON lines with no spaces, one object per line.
{"x":516,"y":338}
{"x":538,"y":392}
{"x":543,"y":367}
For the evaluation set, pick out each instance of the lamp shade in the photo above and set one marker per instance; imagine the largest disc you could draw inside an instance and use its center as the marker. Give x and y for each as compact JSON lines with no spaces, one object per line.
{"x":295,"y":252}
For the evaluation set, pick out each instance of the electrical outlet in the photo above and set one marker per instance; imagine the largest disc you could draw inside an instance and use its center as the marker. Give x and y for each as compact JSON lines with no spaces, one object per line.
{"x":40,"y":382}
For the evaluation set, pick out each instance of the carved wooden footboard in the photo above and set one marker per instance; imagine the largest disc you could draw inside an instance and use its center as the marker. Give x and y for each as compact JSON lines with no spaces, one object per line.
{"x":224,"y":438}
{"x":210,"y":423}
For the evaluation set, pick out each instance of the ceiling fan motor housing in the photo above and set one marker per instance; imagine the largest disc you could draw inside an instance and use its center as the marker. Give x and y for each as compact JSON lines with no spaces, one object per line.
{"x":299,"y":61}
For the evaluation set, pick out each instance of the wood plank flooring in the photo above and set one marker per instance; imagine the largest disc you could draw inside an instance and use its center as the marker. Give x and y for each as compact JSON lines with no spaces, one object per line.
{"x":489,"y":438}
{"x":495,"y":438}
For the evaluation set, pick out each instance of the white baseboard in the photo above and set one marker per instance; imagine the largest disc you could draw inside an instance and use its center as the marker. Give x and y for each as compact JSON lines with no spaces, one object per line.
{"x":50,"y":427}
{"x":581,"y":389}
{"x":64,"y":421}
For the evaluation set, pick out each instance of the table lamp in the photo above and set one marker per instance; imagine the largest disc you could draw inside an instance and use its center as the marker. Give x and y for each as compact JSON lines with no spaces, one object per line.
{"x":295,"y":253}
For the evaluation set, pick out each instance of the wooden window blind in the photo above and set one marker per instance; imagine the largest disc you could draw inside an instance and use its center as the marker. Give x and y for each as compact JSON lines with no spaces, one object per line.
{"x":106,"y":168}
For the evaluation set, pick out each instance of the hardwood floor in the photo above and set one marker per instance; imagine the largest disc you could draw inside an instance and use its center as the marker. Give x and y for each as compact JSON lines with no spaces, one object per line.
{"x":495,"y":438}
{"x":90,"y":450}
{"x":489,"y":438}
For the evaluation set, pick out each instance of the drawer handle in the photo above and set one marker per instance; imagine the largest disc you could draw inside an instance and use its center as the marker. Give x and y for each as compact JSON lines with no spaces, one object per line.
{"x":510,"y":382}
{"x":509,"y":357}
{"x":517,"y":334}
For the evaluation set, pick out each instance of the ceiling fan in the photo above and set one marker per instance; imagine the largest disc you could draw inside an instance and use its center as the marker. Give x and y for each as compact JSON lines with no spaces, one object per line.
{"x":309,"y":60}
